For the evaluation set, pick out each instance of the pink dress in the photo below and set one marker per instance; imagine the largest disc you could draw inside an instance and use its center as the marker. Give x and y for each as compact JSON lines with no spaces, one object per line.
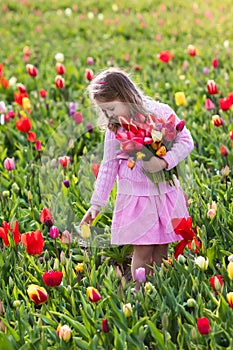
{"x":143,"y":211}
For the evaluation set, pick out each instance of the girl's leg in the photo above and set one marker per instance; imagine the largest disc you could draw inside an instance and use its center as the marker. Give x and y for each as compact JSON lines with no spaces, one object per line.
{"x":160,"y":252}
{"x":142,"y":257}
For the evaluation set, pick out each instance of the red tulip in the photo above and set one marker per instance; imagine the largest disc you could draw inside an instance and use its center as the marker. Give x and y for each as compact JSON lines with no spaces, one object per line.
{"x":32,"y":70}
{"x":180,"y":126}
{"x":216,"y":283}
{"x":95,"y":168}
{"x":93,"y":294}
{"x":215,"y":62}
{"x":225,"y":103}
{"x":31,"y":136}
{"x":37,"y":294}
{"x":60,"y":69}
{"x":4,"y":82}
{"x":231,"y":134}
{"x":223,"y":151}
{"x":6,"y":230}
{"x":52,"y":278}
{"x":43,"y":93}
{"x":60,"y":82}
{"x":89,"y":75}
{"x":33,"y":241}
{"x":184,"y":228}
{"x":64,"y":161}
{"x":38,"y":146}
{"x":212,"y":87}
{"x":165,"y":56}
{"x":217,"y":120}
{"x":192,"y":51}
{"x":23,"y":124}
{"x":203,"y":325}
{"x":105,"y":327}
{"x":22,"y":88}
{"x":46,"y":217}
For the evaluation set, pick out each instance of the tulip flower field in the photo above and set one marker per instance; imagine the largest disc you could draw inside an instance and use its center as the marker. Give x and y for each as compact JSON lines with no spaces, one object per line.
{"x":66,"y":287}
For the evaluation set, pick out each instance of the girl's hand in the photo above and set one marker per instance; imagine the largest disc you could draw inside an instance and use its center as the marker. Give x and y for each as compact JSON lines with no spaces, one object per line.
{"x":90,"y":215}
{"x":154,"y":165}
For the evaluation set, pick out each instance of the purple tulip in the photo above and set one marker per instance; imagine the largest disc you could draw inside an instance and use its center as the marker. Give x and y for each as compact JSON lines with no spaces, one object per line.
{"x":54,"y":232}
{"x":140,"y":274}
{"x":89,"y":127}
{"x":206,"y":70}
{"x":66,"y":183}
{"x":9,"y":164}
{"x":90,"y":61}
{"x":72,"y":108}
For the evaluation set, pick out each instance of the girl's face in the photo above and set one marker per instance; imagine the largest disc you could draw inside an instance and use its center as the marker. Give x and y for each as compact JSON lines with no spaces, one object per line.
{"x":114,"y":109}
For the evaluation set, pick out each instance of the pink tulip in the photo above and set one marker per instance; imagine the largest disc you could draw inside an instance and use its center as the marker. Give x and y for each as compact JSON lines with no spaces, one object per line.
{"x":9,"y":164}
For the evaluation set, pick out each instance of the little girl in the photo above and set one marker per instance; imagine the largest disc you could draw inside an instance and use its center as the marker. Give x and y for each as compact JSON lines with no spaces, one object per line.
{"x":143,"y":211}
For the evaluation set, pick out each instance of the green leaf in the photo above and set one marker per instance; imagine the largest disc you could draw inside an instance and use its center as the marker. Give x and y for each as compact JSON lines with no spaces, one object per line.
{"x":157,"y":335}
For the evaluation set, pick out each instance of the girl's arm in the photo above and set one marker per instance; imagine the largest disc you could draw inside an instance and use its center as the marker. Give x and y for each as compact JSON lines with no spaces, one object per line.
{"x":183,"y":144}
{"x":107,"y":172}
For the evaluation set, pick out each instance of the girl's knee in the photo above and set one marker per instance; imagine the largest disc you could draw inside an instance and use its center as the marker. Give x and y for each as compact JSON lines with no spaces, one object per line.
{"x":143,"y":252}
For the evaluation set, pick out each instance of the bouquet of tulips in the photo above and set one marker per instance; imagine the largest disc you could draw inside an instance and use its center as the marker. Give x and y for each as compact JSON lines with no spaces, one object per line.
{"x":147,"y":136}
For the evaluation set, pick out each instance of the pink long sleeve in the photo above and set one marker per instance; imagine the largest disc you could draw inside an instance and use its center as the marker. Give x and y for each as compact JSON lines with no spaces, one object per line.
{"x":108,"y":170}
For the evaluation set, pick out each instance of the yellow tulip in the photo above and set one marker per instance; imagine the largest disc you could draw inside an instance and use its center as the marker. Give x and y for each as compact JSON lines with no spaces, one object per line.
{"x":180,"y":98}
{"x":161,"y":152}
{"x":79,"y":268}
{"x":230,"y":270}
{"x":230,"y":299}
{"x":127,"y":309}
{"x":26,"y":103}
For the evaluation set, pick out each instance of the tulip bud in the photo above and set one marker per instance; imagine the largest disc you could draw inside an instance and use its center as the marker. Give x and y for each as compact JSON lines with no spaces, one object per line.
{"x":30,"y":196}
{"x":26,"y":104}
{"x":43,"y":93}
{"x":66,"y":183}
{"x":54,"y":232}
{"x":118,"y":273}
{"x":32,"y":70}
{"x":231,"y":135}
{"x":79,"y":267}
{"x":223,"y":151}
{"x":62,"y":258}
{"x":89,"y":75}
{"x":90,"y":61}
{"x":215,"y":62}
{"x":202,"y":263}
{"x":191,"y":302}
{"x":209,"y":105}
{"x":149,"y":288}
{"x":230,"y":270}
{"x":59,"y":57}
{"x":230,"y":299}
{"x":212,"y":87}
{"x":15,"y":187}
{"x":105,"y":327}
{"x":16,"y":304}
{"x":203,"y":325}
{"x":225,"y":171}
{"x":6,"y":194}
{"x":230,"y":258}
{"x":181,"y":259}
{"x":180,"y":126}
{"x":93,"y":294}
{"x":2,"y":309}
{"x":140,"y":275}
{"x":192,"y":51}
{"x":21,"y":88}
{"x":59,"y":82}
{"x":216,"y":283}
{"x":180,"y":98}
{"x":66,"y":237}
{"x":60,"y":69}
{"x":217,"y":120}
{"x":9,"y":164}
{"x":64,"y":332}
{"x":38,"y":146}
{"x":127,"y":309}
